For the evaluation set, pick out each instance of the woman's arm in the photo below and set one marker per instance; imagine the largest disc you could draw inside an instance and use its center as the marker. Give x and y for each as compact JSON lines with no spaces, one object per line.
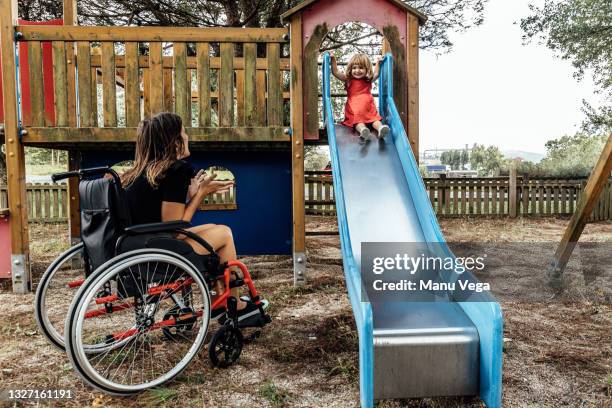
{"x":172,"y":211}
{"x":334,"y":68}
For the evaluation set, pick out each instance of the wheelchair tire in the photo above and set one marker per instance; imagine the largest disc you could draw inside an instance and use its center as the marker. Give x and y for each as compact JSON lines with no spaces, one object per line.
{"x":225,"y":346}
{"x":137,"y":355}
{"x":51,"y":313}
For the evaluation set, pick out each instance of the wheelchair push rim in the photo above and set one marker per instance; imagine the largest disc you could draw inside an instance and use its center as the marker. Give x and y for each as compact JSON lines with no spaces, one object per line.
{"x":139,"y":353}
{"x":51,"y":282}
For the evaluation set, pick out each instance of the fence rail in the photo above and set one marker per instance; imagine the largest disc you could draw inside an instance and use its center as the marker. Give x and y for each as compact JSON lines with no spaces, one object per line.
{"x":449,"y":197}
{"x":490,"y":196}
{"x":49,"y":202}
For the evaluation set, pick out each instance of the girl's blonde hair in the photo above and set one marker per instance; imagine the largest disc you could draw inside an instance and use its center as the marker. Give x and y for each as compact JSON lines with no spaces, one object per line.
{"x":363,"y":61}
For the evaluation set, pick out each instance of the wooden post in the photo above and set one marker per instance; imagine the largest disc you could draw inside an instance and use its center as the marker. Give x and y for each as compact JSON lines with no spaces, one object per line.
{"x":512,"y":202}
{"x":74,"y":217}
{"x":412,"y":72}
{"x":15,"y":155}
{"x":297,"y":152}
{"x":584,"y":208}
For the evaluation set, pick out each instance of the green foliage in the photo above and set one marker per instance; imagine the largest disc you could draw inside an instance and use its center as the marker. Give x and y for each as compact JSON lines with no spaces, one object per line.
{"x":486,"y":160}
{"x":315,"y":158}
{"x":572,"y":156}
{"x":598,"y":120}
{"x":457,"y":159}
{"x":159,"y":396}
{"x":37,"y":156}
{"x":524,"y":168}
{"x":579,"y":31}
{"x":277,"y":396}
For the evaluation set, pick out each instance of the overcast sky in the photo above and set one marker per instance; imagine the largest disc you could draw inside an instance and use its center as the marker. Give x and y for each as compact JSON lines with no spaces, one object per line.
{"x":493,"y":90}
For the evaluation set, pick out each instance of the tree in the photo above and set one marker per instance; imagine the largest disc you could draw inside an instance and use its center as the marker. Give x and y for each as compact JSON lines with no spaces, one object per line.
{"x":487,"y":160}
{"x":315,"y":158}
{"x":572,"y":156}
{"x":465,"y":158}
{"x":445,"y":16}
{"x":579,"y":31}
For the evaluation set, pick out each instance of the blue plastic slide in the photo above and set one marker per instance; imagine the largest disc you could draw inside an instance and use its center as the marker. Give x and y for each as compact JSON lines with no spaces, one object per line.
{"x":407,"y":349}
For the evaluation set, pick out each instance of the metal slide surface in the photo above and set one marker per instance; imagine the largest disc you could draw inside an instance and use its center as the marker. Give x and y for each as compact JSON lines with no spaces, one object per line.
{"x":407,"y":349}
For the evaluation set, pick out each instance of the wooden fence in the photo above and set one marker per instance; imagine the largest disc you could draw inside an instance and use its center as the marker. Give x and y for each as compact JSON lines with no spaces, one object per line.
{"x":450,"y":197}
{"x":490,"y":196}
{"x":48,"y":202}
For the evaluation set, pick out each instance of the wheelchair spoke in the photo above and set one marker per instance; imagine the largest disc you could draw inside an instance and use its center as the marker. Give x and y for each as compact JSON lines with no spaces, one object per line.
{"x":154,"y":342}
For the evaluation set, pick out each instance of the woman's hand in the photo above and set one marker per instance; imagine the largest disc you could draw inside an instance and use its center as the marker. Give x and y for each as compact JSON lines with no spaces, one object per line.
{"x":193,"y":186}
{"x":207,"y":184}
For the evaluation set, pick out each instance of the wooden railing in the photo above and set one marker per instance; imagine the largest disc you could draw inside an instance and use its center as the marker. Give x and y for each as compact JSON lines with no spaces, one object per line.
{"x":48,"y":202}
{"x":319,"y":193}
{"x":449,"y":197}
{"x":489,"y":196}
{"x":226,"y":84}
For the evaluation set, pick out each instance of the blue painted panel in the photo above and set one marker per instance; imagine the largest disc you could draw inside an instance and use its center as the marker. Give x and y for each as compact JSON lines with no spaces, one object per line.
{"x":262,"y":223}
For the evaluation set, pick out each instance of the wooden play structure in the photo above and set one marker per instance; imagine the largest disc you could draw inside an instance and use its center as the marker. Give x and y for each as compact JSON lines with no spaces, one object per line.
{"x":248,"y":98}
{"x":594,"y":187}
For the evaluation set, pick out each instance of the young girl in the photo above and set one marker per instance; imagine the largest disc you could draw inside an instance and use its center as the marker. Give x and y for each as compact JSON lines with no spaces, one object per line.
{"x":360,"y":111}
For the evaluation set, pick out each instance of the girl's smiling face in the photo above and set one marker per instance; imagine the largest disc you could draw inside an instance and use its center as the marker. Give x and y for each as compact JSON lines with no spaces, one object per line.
{"x":358,"y":72}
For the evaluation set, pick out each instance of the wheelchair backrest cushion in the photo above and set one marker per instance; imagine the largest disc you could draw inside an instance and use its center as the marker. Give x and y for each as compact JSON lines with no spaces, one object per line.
{"x":104,"y":215}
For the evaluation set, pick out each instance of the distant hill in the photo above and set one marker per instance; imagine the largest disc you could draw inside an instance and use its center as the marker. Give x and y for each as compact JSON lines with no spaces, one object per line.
{"x":527,"y":156}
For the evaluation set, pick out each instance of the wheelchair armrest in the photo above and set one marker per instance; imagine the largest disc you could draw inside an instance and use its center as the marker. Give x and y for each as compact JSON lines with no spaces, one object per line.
{"x":169,"y":226}
{"x":179,"y":227}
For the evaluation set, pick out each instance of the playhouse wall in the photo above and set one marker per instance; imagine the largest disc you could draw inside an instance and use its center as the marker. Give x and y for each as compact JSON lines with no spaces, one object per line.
{"x":262,"y":223}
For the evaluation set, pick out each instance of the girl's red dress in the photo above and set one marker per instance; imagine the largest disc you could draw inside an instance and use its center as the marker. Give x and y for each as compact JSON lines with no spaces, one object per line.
{"x":360,"y":106}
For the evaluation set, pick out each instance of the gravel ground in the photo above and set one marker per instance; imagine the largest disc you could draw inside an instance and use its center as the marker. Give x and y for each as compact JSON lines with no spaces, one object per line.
{"x":557,"y":353}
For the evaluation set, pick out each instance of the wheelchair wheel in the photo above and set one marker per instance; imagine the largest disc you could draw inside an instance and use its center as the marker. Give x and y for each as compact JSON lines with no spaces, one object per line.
{"x":225,"y":346}
{"x":55,"y":291}
{"x":146,"y":330}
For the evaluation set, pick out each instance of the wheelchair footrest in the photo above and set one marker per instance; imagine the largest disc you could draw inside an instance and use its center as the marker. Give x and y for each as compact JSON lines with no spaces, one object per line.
{"x":259,"y":320}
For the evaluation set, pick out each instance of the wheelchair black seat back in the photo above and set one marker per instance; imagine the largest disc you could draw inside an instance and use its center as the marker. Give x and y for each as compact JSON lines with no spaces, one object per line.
{"x":104,"y":216}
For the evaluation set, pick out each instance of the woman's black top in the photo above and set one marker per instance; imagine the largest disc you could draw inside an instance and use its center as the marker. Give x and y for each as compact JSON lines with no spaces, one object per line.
{"x":145,"y":201}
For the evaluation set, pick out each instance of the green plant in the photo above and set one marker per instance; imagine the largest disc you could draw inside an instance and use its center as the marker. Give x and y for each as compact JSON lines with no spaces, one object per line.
{"x":159,"y":396}
{"x":276,"y":395}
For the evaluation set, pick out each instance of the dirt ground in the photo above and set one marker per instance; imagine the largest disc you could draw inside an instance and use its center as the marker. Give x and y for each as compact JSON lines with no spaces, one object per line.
{"x":558,"y":352}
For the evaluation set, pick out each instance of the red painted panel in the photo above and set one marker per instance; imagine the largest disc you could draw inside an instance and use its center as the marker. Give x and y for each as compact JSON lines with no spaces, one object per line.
{"x":47,"y":60}
{"x":5,"y":248}
{"x":377,"y":13}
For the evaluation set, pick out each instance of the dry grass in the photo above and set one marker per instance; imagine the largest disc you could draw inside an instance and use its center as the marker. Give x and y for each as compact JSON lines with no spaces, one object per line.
{"x":558,"y":353}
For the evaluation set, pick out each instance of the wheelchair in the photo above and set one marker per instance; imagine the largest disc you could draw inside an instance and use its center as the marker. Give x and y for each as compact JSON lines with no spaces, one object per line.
{"x":142,"y":307}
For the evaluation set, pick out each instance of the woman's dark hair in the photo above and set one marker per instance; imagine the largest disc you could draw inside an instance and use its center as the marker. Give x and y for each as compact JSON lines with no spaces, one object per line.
{"x":158,"y":142}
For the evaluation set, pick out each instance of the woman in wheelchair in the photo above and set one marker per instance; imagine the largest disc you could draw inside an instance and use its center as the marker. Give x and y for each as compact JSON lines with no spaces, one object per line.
{"x":142,"y":306}
{"x":162,"y":187}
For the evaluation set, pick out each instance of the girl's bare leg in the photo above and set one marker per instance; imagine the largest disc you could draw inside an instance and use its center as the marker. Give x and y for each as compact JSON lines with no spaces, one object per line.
{"x":364,"y":132}
{"x":221,"y":239}
{"x":382,"y":130}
